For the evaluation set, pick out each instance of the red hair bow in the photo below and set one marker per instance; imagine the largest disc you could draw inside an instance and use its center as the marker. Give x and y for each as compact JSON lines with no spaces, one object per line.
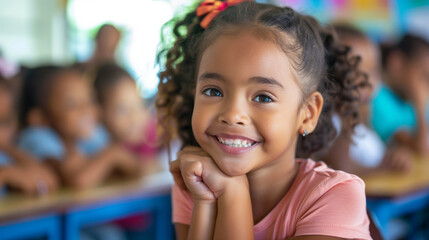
{"x":213,"y":8}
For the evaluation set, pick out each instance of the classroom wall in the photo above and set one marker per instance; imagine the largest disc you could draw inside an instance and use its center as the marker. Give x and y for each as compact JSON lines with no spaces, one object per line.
{"x":383,"y":20}
{"x":33,"y":31}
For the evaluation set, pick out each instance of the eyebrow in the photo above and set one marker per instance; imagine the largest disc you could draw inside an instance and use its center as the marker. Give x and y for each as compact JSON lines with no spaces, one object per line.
{"x":211,"y":75}
{"x":258,"y":79}
{"x":264,"y":80}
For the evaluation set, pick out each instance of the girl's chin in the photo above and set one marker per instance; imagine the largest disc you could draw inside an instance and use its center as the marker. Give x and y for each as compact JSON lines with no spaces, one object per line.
{"x":232,"y":167}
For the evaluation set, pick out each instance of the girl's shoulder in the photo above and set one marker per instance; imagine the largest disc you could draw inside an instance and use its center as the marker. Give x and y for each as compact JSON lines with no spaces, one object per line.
{"x":323,"y":201}
{"x":314,"y":171}
{"x":315,"y":179}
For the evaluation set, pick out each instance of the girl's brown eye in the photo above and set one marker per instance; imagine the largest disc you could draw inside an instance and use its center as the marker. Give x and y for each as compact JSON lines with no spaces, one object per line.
{"x":212,"y":92}
{"x":263,"y":99}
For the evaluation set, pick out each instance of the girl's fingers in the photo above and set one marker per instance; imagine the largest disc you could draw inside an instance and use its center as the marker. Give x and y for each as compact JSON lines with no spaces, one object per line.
{"x":177,"y":175}
{"x":192,"y":174}
{"x":179,"y":181}
{"x":192,"y":169}
{"x":187,"y":153}
{"x":48,"y":179}
{"x":26,"y":186}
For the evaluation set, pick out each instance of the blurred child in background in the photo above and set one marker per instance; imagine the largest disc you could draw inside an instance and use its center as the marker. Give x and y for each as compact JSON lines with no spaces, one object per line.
{"x":365,"y":152}
{"x":60,"y":125}
{"x":123,"y":111}
{"x":105,"y":45}
{"x":129,"y":124}
{"x":399,"y":109}
{"x":19,"y":170}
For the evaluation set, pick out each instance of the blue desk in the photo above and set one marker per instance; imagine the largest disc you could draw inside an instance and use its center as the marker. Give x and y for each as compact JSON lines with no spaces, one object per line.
{"x":389,"y":208}
{"x":391,"y":195}
{"x":48,"y":226}
{"x":64,"y":214}
{"x":103,"y":212}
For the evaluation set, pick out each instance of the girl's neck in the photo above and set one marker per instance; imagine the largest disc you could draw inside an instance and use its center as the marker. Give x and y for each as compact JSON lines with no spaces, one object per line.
{"x":270,"y":184}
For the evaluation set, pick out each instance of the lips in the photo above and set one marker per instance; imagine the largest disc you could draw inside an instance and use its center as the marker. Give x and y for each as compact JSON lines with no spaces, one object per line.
{"x":234,"y":144}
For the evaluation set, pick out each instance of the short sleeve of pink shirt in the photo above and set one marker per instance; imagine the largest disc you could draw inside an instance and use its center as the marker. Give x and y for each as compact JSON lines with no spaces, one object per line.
{"x":321,"y":201}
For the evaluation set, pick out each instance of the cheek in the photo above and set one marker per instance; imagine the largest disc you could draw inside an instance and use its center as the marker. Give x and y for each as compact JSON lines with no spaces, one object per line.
{"x":197,"y":123}
{"x":65,"y":122}
{"x":6,"y":133}
{"x":202,"y":116}
{"x":72,"y":119}
{"x":115,"y":122}
{"x":278,"y":126}
{"x":81,"y":121}
{"x":61,"y":118}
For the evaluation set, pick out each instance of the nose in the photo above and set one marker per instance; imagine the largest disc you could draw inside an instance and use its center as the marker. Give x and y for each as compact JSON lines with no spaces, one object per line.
{"x":234,"y":113}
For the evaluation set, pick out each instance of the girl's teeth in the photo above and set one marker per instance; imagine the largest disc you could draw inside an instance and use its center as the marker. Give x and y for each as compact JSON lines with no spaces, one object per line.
{"x":234,"y":142}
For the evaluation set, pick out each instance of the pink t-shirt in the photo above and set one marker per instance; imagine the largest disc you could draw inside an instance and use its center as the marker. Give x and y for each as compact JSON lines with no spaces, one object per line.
{"x":321,"y":201}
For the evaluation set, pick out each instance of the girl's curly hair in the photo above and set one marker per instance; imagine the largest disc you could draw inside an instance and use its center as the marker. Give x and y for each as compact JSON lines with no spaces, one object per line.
{"x":320,"y":62}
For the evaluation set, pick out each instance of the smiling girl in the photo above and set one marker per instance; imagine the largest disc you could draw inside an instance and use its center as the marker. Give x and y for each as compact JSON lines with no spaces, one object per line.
{"x":249,"y":88}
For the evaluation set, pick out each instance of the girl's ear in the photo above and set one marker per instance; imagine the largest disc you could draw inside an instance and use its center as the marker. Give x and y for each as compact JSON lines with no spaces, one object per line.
{"x":310,"y":113}
{"x":36,"y":117}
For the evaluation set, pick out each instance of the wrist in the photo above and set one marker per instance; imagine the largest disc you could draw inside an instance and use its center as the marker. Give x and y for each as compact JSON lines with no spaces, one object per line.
{"x":203,"y":220}
{"x":236,"y":187}
{"x":205,"y":202}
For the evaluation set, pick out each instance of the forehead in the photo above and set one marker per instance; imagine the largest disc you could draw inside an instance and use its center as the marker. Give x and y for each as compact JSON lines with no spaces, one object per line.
{"x":247,"y":55}
{"x":124,"y":88}
{"x":68,"y":79}
{"x":67,"y":84}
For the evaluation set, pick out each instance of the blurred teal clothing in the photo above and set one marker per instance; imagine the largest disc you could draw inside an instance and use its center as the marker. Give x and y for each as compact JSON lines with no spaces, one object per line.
{"x":44,"y":142}
{"x":390,"y":113}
